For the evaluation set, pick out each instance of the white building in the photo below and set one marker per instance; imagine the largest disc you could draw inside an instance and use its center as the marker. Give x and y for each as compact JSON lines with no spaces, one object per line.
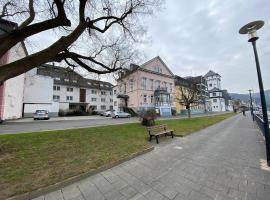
{"x":216,"y":99}
{"x":11,"y":91}
{"x":60,"y":89}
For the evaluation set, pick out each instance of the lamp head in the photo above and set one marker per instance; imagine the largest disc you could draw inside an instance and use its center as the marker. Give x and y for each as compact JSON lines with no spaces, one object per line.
{"x":251,"y":29}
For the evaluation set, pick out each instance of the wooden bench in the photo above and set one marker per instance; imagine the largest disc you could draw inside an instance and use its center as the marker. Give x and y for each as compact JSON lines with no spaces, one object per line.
{"x":156,"y":131}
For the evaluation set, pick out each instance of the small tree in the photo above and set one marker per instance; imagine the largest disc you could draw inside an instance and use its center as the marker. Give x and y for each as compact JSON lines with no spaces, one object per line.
{"x":148,"y":117}
{"x":188,"y":97}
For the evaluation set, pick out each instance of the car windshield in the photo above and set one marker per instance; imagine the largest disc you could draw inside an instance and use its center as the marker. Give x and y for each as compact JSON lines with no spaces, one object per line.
{"x":41,"y":111}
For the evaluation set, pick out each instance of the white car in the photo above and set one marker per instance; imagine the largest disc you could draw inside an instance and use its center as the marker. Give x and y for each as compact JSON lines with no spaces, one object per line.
{"x":118,"y":114}
{"x":41,"y":114}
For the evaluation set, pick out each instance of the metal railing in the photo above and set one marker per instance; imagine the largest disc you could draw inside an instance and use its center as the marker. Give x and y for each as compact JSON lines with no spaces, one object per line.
{"x":259,"y":121}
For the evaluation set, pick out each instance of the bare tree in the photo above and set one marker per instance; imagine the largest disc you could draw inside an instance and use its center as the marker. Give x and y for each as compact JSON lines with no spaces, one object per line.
{"x":94,"y":34}
{"x":189,"y":97}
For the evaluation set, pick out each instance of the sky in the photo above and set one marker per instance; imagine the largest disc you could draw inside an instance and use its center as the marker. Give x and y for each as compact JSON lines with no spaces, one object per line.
{"x":193,"y":37}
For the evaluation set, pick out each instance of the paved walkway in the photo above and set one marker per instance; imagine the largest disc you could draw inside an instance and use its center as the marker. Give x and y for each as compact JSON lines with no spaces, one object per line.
{"x":225,"y":161}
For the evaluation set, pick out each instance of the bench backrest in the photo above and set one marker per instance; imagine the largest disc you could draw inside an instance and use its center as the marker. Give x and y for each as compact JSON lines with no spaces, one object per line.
{"x":153,"y":129}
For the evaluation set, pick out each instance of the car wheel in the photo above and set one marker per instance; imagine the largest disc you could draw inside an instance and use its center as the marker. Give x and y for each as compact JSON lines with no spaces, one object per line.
{"x":116,"y":116}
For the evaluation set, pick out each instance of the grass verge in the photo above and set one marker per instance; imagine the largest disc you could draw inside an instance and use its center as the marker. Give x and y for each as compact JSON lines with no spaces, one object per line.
{"x":30,"y":161}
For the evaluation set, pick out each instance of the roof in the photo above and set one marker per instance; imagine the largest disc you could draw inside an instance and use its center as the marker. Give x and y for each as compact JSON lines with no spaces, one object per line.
{"x":180,"y":81}
{"x":67,"y":76}
{"x":211,"y":73}
{"x":157,"y":57}
{"x":197,"y":79}
{"x":133,"y":68}
{"x":215,"y":90}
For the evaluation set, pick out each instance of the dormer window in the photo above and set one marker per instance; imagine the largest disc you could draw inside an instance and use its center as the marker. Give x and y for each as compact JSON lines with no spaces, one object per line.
{"x":66,"y":80}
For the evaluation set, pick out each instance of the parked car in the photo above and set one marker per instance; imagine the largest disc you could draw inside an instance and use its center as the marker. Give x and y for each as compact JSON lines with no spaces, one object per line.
{"x":1,"y":121}
{"x":119,"y":114}
{"x":41,"y":114}
{"x":106,"y":113}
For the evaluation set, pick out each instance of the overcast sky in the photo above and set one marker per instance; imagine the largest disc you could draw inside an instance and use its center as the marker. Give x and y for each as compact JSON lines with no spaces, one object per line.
{"x":195,"y":36}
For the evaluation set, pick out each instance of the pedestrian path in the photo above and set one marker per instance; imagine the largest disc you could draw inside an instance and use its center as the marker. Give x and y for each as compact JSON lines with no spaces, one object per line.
{"x":225,"y":161}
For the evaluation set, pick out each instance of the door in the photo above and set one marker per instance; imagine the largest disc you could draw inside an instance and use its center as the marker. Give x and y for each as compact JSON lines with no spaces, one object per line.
{"x":82,"y":95}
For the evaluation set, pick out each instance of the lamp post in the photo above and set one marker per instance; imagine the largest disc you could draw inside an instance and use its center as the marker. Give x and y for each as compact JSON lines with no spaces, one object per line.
{"x":251,"y":105}
{"x":251,"y":29}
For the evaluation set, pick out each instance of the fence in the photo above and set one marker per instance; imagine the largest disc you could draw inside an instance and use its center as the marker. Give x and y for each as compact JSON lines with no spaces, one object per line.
{"x":259,"y":121}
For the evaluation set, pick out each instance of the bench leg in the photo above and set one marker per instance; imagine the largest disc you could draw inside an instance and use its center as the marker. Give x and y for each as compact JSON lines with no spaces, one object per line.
{"x":157,"y":138}
{"x":172,"y":134}
{"x":150,"y":138}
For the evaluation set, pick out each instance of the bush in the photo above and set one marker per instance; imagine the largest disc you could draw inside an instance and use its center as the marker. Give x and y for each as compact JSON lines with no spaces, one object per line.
{"x":148,"y":117}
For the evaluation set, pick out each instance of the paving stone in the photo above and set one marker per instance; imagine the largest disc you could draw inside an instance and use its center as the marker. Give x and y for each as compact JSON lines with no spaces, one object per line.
{"x":56,"y":195}
{"x":222,"y":162}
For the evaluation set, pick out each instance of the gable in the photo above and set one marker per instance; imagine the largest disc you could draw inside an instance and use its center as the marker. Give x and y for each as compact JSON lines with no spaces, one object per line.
{"x":157,"y":65}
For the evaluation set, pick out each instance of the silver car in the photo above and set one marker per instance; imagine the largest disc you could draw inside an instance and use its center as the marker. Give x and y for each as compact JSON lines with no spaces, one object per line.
{"x":118,"y":114}
{"x":41,"y":114}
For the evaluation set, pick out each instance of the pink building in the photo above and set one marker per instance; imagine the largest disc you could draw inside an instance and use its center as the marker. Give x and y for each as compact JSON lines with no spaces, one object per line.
{"x":150,"y":85}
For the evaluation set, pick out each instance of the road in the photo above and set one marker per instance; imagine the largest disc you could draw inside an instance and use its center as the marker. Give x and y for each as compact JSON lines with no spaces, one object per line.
{"x":225,"y":161}
{"x":29,"y":125}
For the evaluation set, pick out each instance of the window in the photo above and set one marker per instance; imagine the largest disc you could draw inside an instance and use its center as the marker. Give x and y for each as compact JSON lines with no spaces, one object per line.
{"x":144,"y":83}
{"x":74,"y":81}
{"x":69,"y":89}
{"x":94,"y":92}
{"x":67,"y":80}
{"x":114,"y":92}
{"x":115,"y":103}
{"x":170,"y":87}
{"x":214,"y":100}
{"x":158,"y":69}
{"x":151,"y":84}
{"x":157,"y":84}
{"x":93,"y":99}
{"x":56,"y":78}
{"x":152,"y":99}
{"x":214,"y":94}
{"x":145,"y":98}
{"x":210,"y":85}
{"x":56,"y":88}
{"x":110,"y":92}
{"x":103,"y":107}
{"x":111,"y":100}
{"x":103,"y":99}
{"x":69,"y":98}
{"x":56,"y":98}
{"x":131,"y":85}
{"x":125,"y":88}
{"x":72,"y":107}
{"x":103,"y":93}
{"x":89,"y":83}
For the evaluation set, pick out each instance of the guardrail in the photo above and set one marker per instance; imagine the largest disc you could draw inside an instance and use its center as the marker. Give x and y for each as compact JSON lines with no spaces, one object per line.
{"x":259,"y":121}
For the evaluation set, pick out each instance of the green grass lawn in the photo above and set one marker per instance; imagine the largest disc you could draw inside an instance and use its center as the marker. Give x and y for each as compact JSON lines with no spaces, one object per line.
{"x":30,"y":161}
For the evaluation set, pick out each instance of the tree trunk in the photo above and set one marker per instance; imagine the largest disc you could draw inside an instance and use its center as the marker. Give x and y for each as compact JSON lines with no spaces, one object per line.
{"x":189,"y":113}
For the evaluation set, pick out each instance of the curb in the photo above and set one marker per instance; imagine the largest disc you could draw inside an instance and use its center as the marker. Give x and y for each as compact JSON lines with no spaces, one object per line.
{"x":56,"y":186}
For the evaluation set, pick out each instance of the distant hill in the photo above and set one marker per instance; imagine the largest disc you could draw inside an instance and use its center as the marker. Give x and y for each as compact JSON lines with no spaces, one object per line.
{"x":255,"y":96}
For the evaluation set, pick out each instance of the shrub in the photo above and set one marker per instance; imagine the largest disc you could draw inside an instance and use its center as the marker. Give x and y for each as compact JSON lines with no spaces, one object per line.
{"x":148,"y":117}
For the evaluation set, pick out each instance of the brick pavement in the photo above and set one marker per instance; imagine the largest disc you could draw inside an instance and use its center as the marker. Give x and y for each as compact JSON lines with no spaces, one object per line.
{"x":225,"y":161}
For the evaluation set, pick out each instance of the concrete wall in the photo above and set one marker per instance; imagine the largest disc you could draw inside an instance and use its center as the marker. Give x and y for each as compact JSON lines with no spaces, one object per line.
{"x":38,"y":89}
{"x":12,"y":98}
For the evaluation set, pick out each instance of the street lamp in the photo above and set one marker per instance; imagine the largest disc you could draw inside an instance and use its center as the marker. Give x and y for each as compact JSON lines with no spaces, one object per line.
{"x":251,"y":105}
{"x":251,"y":29}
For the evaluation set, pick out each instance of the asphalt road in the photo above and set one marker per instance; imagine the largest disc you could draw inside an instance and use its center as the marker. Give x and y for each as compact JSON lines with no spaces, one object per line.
{"x":42,"y":125}
{"x":29,"y":125}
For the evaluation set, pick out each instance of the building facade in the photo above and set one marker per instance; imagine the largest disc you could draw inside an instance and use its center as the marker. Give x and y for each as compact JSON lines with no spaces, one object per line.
{"x":150,"y":85}
{"x":11,"y":91}
{"x":62,"y":90}
{"x":216,"y":99}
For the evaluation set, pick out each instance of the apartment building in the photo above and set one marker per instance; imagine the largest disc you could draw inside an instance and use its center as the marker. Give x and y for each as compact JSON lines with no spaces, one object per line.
{"x":150,"y":85}
{"x":62,"y":89}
